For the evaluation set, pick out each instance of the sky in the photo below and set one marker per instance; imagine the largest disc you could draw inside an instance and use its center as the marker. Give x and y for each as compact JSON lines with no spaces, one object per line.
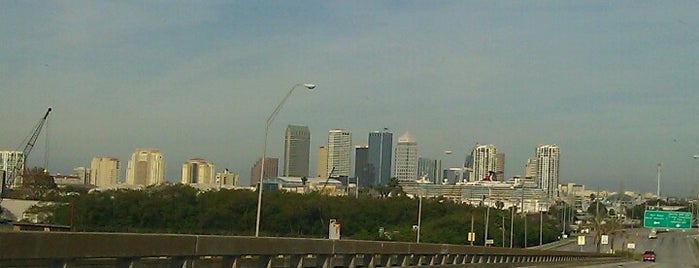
{"x":615,"y":84}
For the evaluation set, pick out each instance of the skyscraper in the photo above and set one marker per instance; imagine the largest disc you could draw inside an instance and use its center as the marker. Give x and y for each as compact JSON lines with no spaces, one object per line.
{"x":380,"y":156}
{"x":500,"y":166}
{"x":548,"y":166}
{"x":322,"y":165}
{"x":484,"y":160}
{"x":339,"y":150}
{"x":361,"y":164}
{"x":197,"y":170}
{"x":271,"y":169}
{"x":146,"y":167}
{"x":429,"y":168}
{"x":104,"y":171}
{"x":406,"y":158}
{"x":297,"y":147}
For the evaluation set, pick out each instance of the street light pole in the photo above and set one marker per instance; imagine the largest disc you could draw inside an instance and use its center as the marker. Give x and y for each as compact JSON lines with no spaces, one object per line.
{"x":419,"y":219}
{"x":658,"y":191}
{"x":264,"y":152}
{"x":487,"y":218}
{"x":541,"y":227}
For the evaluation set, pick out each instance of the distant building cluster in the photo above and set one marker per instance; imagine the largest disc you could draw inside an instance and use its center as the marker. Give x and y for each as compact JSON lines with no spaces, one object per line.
{"x":378,"y":161}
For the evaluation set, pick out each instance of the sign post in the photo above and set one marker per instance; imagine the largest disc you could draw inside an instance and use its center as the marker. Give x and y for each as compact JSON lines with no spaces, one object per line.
{"x":581,"y":242}
{"x":667,"y":219}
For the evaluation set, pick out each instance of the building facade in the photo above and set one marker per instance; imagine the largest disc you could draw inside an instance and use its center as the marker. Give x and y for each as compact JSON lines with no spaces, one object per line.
{"x":146,"y":167}
{"x":271,"y":170}
{"x":430,"y":169}
{"x":548,"y":167}
{"x":361,"y":164}
{"x":197,"y":170}
{"x":380,"y":157}
{"x":226,"y":178}
{"x":83,"y":173}
{"x":500,"y":166}
{"x":484,"y":161}
{"x":12,"y":162}
{"x":104,"y":171}
{"x":322,"y":165}
{"x":406,"y":158}
{"x":297,"y":148}
{"x":339,"y":153}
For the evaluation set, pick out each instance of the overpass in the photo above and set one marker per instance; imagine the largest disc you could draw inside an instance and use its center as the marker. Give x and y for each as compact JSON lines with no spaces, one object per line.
{"x":72,"y":249}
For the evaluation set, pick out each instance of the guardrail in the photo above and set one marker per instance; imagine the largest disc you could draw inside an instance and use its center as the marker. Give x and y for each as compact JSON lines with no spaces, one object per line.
{"x":66,"y":249}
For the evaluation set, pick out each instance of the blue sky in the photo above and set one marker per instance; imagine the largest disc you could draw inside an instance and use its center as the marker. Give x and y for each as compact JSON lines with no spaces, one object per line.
{"x":614,"y":83}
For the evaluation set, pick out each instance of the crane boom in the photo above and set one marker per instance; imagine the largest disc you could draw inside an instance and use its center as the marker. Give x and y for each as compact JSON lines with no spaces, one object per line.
{"x":30,"y":144}
{"x":21,"y":162}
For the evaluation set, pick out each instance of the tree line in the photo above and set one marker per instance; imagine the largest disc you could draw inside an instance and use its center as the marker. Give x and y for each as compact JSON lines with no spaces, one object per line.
{"x":178,"y":208}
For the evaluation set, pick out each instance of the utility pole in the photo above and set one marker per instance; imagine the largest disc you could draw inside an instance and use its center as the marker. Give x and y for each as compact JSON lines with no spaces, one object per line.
{"x":503,"y":231}
{"x":512,"y":223}
{"x":472,"y":229}
{"x":525,"y":230}
{"x":487,"y":219}
{"x":541,"y":227}
{"x":658,"y":191}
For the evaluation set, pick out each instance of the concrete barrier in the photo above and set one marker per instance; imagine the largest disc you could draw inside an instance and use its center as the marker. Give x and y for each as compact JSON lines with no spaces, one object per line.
{"x":68,"y":249}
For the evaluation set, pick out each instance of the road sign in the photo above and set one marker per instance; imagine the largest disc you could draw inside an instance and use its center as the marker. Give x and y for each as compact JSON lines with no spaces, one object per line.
{"x":605,"y":240}
{"x":471,"y":236}
{"x":667,"y":219}
{"x":581,"y":240}
{"x":631,"y":246}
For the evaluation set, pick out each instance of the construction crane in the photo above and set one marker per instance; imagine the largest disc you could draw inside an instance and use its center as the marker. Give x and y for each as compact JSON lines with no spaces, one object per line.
{"x":21,"y":162}
{"x":327,"y":180}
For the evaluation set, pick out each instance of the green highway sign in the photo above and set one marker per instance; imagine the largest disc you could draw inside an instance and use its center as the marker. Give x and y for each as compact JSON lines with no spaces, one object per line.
{"x":667,"y":219}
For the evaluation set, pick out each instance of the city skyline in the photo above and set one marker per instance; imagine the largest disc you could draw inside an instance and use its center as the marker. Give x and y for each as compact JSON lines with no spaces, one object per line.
{"x":613,"y":84}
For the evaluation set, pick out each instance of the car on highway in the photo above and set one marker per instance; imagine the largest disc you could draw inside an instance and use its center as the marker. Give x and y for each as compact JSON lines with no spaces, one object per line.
{"x":649,"y":255}
{"x":653,"y":234}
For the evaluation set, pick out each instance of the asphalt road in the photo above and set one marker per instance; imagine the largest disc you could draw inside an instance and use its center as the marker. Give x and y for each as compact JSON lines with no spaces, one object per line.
{"x":673,"y":249}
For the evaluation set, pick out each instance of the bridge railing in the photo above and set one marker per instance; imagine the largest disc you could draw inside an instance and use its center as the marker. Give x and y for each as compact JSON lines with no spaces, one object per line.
{"x":131,"y":250}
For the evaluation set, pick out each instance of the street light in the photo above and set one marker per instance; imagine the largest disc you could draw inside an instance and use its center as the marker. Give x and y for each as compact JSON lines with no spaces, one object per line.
{"x":264,"y":151}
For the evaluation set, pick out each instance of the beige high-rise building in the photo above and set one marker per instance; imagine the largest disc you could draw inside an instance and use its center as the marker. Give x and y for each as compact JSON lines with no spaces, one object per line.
{"x":339,"y":153}
{"x":197,"y":170}
{"x":322,"y":166}
{"x":226,"y":178}
{"x":406,"y":156}
{"x":146,"y":167}
{"x":104,"y":171}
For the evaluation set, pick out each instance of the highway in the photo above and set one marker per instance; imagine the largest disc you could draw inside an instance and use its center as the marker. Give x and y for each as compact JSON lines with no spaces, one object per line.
{"x":675,"y":249}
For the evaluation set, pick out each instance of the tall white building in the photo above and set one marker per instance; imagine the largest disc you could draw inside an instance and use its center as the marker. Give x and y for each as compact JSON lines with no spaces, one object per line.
{"x":548,"y":166}
{"x":104,"y":171}
{"x":484,"y":162}
{"x":146,"y":167}
{"x":339,"y":153}
{"x":405,"y":158}
{"x":12,"y":162}
{"x":197,"y":170}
